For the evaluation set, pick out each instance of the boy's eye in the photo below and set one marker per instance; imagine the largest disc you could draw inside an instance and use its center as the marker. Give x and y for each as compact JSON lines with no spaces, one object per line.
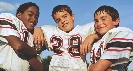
{"x":103,"y":19}
{"x":95,"y":20}
{"x":57,"y":21}
{"x":65,"y":16}
{"x":30,"y":14}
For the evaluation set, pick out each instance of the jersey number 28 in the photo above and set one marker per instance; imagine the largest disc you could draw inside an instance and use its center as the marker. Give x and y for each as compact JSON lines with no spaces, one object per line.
{"x":73,"y":45}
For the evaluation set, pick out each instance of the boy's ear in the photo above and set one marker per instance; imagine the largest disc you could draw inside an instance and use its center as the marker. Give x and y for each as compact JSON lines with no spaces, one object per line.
{"x":19,"y":15}
{"x":73,"y":17}
{"x":117,"y":21}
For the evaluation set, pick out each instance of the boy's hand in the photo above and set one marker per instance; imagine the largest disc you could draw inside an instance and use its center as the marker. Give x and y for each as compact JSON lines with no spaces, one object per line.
{"x":38,"y":36}
{"x":85,"y":47}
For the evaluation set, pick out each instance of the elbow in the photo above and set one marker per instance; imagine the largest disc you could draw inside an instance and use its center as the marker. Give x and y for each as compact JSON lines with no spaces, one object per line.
{"x":15,"y":43}
{"x":18,"y":47}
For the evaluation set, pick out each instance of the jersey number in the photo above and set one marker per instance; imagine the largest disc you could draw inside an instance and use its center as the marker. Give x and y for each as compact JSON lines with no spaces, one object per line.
{"x":73,"y":45}
{"x":24,"y":35}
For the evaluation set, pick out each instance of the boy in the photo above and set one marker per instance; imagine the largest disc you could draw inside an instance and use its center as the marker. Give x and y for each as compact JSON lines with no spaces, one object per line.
{"x":65,"y":40}
{"x":114,"y":50}
{"x":16,"y":39}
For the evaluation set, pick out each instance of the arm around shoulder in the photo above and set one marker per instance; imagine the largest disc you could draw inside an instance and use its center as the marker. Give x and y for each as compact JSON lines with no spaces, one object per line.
{"x":38,"y":36}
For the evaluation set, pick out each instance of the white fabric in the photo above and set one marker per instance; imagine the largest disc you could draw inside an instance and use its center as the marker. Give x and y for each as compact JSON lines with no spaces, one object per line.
{"x":100,"y":50}
{"x":8,"y":57}
{"x":69,"y":42}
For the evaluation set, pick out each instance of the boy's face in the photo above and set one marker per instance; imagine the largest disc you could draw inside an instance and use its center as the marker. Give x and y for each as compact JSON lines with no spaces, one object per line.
{"x":29,"y":17}
{"x":64,"y":20}
{"x":103,"y":22}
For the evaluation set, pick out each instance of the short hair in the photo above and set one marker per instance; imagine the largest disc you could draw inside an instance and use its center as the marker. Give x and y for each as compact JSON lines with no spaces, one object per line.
{"x":109,"y":10}
{"x":60,"y":8}
{"x":25,"y":6}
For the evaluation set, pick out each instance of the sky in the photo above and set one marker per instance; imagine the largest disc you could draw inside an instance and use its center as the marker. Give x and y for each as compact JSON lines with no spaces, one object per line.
{"x":82,"y":9}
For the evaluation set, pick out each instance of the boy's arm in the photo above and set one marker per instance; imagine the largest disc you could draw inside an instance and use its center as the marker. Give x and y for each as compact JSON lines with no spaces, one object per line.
{"x":29,"y":53}
{"x":20,"y":46}
{"x":35,"y":65}
{"x":38,"y":36}
{"x":85,"y":47}
{"x":101,"y":65}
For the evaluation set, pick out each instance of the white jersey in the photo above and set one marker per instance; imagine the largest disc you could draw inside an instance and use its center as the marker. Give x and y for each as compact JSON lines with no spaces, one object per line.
{"x":66,"y":47}
{"x":115,"y":44}
{"x":10,"y":25}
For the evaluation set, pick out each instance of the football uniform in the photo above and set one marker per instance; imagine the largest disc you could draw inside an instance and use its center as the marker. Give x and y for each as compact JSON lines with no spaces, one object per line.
{"x":117,"y":44}
{"x":66,"y":47}
{"x":11,"y":25}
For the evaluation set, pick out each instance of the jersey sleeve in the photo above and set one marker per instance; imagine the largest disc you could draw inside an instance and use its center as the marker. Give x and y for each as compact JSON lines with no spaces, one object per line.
{"x":7,"y":26}
{"x":48,"y":30}
{"x":119,"y":44}
{"x":88,"y":28}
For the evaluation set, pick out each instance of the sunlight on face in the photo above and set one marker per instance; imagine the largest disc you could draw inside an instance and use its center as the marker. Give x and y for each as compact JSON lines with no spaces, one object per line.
{"x":64,"y":20}
{"x":103,"y":22}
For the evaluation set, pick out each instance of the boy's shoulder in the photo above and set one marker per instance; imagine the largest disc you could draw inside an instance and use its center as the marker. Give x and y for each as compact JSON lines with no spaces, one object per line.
{"x":120,"y":29}
{"x":120,"y":32}
{"x":11,"y":20}
{"x":6,"y":15}
{"x":49,"y":27}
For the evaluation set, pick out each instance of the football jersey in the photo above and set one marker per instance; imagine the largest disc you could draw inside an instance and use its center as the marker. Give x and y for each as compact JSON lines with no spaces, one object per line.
{"x":66,"y":46}
{"x":117,"y":44}
{"x":11,"y":25}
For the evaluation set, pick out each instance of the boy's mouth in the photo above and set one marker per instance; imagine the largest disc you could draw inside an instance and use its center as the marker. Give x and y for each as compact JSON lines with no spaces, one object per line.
{"x":32,"y":24}
{"x":100,"y":27}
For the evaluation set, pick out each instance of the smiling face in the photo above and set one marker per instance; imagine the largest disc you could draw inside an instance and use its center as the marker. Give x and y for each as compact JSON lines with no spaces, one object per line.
{"x":64,"y":20}
{"x":29,"y":17}
{"x":104,"y":22}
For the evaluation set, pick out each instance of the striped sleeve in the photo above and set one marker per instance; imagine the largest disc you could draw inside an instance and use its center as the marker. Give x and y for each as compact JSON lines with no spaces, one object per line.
{"x":119,"y":45}
{"x":7,"y":27}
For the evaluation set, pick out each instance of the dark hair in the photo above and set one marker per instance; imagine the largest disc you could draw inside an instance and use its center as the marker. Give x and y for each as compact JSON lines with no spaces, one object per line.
{"x":60,"y":8}
{"x":25,"y":6}
{"x":109,"y":10}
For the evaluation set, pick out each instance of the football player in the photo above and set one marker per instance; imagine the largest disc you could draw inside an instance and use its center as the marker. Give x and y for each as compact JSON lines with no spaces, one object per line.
{"x":114,"y":50}
{"x":16,"y":52}
{"x":64,"y":40}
